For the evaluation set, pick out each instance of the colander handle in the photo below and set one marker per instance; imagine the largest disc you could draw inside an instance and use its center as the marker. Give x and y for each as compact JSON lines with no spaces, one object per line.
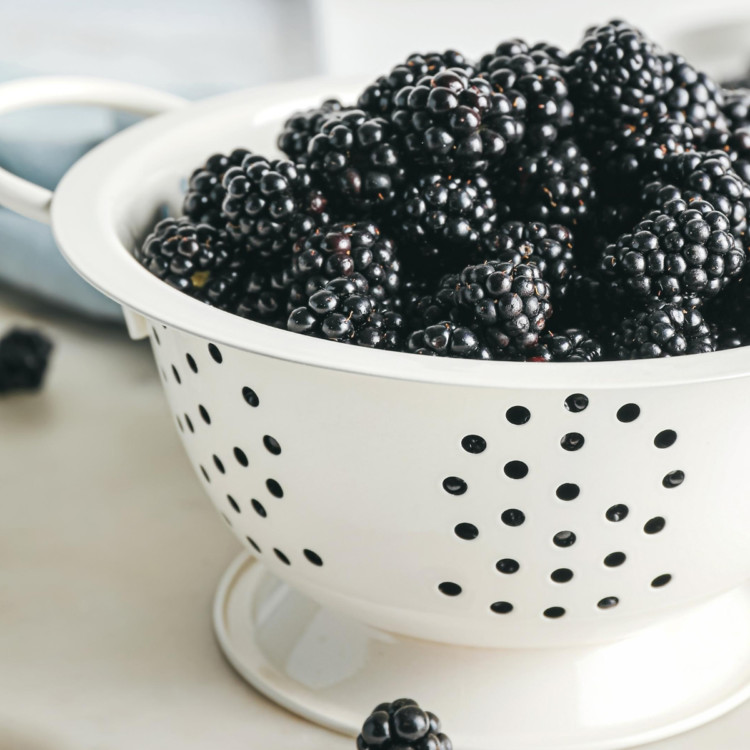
{"x":33,"y":201}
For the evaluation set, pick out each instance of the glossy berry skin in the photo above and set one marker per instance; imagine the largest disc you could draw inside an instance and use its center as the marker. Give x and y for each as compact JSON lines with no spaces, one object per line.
{"x":205,"y":196}
{"x":378,"y":98}
{"x":344,"y":311}
{"x":270,"y":205}
{"x":301,"y":127}
{"x":736,"y":108}
{"x":507,"y":305}
{"x":357,"y":158}
{"x":24,"y":355}
{"x":457,"y":123}
{"x":736,"y":145}
{"x":666,"y":331}
{"x":445,"y":339}
{"x":402,"y":725}
{"x":196,"y":259}
{"x":569,"y":345}
{"x":262,"y":296}
{"x":683,"y":254}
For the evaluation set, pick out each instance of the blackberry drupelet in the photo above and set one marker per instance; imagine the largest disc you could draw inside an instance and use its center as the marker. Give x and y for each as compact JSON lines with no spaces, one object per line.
{"x":400,"y":725}
{"x":616,"y":76}
{"x":445,"y":339}
{"x":343,"y":310}
{"x":441,"y":221}
{"x":507,"y":305}
{"x":205,"y":196}
{"x":358,"y":159}
{"x":553,"y":185}
{"x":548,"y":247}
{"x":346,"y":249}
{"x":457,"y":123}
{"x":665,"y":331}
{"x":270,"y":205}
{"x":684,"y":254}
{"x":24,"y":355}
{"x":569,"y":345}
{"x":377,"y":99}
{"x":538,"y":77}
{"x":300,"y":128}
{"x":197,"y":259}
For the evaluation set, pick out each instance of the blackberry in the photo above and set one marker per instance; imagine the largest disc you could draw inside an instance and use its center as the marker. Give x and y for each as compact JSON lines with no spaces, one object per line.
{"x":736,"y":145}
{"x":736,"y":108}
{"x":445,"y":339}
{"x":377,"y":99}
{"x":344,"y":311}
{"x":666,"y":331}
{"x":270,"y":205}
{"x":570,"y":345}
{"x":197,"y":259}
{"x":682,"y":254}
{"x":548,"y":247}
{"x":345,"y":249}
{"x":507,"y":305}
{"x":205,"y":196}
{"x":592,"y":301}
{"x":554,"y":185}
{"x":457,"y":123}
{"x":300,"y":128}
{"x":616,"y":76}
{"x":24,"y":355}
{"x":402,"y":724}
{"x":262,"y":296}
{"x":532,"y":73}
{"x":443,"y":219}
{"x":357,"y":157}
{"x":729,"y":336}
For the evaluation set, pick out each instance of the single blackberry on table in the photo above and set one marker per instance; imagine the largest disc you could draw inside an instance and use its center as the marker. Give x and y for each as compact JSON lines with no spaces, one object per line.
{"x":357,"y":158}
{"x":343,"y":310}
{"x":197,"y":259}
{"x":346,"y":249}
{"x":377,"y":99}
{"x":402,"y":724}
{"x":441,"y":221}
{"x":24,"y":355}
{"x":537,"y":76}
{"x":569,"y":345}
{"x":507,"y":305}
{"x":553,"y":185}
{"x":270,"y":205}
{"x":548,"y":247}
{"x":457,"y":123}
{"x":667,"y":330}
{"x":205,"y":196}
{"x":682,"y":253}
{"x":445,"y":339}
{"x":300,"y":128}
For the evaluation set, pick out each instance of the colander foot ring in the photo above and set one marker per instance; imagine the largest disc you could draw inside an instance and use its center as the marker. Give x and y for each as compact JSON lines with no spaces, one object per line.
{"x":333,"y":670}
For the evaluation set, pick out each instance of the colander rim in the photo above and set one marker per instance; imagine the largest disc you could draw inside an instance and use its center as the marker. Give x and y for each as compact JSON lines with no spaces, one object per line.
{"x":85,"y":221}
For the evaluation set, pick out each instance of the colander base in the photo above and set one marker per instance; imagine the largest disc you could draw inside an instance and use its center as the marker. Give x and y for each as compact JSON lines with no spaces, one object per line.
{"x":333,"y":670}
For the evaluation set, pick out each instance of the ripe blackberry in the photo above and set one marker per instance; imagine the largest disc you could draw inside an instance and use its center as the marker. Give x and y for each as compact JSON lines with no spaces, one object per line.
{"x":270,"y":205}
{"x":507,"y":305}
{"x":400,"y":725}
{"x":300,"y":128}
{"x":346,"y":249}
{"x":205,"y":196}
{"x":736,"y":145}
{"x":548,"y":247}
{"x":262,"y":296}
{"x":736,"y":108}
{"x":665,"y":331}
{"x":684,"y":254}
{"x":554,"y":185}
{"x":377,"y":99}
{"x":537,"y":76}
{"x":357,"y":158}
{"x":445,"y":339}
{"x":24,"y":355}
{"x":197,"y":259}
{"x":443,"y":219}
{"x":616,"y":76}
{"x":729,"y":336}
{"x":343,"y":310}
{"x":570,"y":345}
{"x":593,"y":302}
{"x":457,"y":123}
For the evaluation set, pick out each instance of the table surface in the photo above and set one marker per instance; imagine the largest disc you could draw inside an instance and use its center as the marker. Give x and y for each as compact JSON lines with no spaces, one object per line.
{"x":109,"y":558}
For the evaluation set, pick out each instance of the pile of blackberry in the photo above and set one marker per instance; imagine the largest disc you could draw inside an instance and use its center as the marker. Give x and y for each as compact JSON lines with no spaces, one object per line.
{"x":533,"y":204}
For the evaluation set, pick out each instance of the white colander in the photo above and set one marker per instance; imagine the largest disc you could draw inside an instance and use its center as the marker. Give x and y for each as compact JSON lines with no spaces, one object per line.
{"x":546,"y":555}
